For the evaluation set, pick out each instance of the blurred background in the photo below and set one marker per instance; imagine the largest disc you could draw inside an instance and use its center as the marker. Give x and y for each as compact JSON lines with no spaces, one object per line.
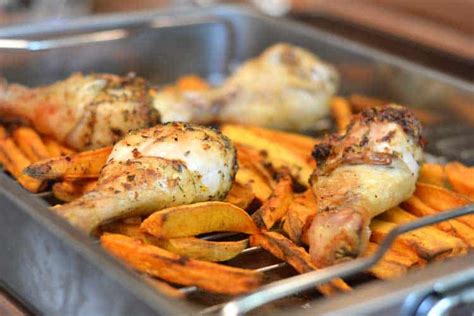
{"x":436,"y":33}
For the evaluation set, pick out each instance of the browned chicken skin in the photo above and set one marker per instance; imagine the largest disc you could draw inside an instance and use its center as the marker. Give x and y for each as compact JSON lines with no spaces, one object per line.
{"x":83,"y":111}
{"x":361,"y":174}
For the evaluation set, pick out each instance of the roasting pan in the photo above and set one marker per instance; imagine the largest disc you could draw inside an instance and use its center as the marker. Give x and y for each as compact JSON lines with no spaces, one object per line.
{"x":55,"y":270}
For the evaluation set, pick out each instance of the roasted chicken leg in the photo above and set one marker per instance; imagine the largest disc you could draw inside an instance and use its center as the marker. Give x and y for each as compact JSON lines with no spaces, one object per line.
{"x":370,"y":169}
{"x":286,"y":87}
{"x":82,"y":111}
{"x":167,"y":165}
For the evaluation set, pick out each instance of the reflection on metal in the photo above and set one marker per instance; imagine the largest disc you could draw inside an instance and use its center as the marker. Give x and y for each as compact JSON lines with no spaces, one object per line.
{"x":68,"y":41}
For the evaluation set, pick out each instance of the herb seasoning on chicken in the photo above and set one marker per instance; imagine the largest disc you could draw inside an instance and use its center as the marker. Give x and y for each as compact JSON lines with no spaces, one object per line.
{"x":82,"y":111}
{"x":370,"y":169}
{"x":167,"y":165}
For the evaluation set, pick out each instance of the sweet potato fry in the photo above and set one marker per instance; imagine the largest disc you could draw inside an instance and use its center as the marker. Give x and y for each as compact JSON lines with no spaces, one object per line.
{"x":164,"y":287}
{"x":30,"y":143}
{"x":297,"y":257}
{"x":433,"y":174}
{"x":282,"y":149}
{"x":442,"y":199}
{"x":53,"y":147}
{"x":84,"y":165}
{"x":68,"y":191}
{"x":361,"y":102}
{"x":241,"y":195}
{"x":198,"y":218}
{"x":454,"y":227}
{"x":178,"y":269}
{"x":66,"y":150}
{"x":249,"y":176}
{"x":341,"y":112}
{"x":3,"y":132}
{"x":461,"y":178}
{"x":428,"y":243}
{"x":389,"y":267}
{"x":14,"y":161}
{"x":300,"y":212}
{"x":203,"y":249}
{"x":192,"y":83}
{"x":187,"y":246}
{"x":277,"y":204}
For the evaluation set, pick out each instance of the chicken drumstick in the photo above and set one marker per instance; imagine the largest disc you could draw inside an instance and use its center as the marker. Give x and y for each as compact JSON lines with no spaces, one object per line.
{"x":361,"y":174}
{"x":167,"y":165}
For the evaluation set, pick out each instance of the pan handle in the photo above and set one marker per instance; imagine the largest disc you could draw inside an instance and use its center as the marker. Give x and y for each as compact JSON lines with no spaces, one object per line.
{"x":111,"y":35}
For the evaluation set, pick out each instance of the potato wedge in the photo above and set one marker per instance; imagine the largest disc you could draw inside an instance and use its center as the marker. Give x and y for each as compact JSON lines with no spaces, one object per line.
{"x":240,"y":195}
{"x":187,"y":246}
{"x":84,"y":165}
{"x":297,"y":257}
{"x":198,"y":218}
{"x":461,"y":178}
{"x":68,"y":191}
{"x":196,"y":248}
{"x":427,"y":243}
{"x":442,"y":199}
{"x":341,"y":112}
{"x":433,"y":174}
{"x":282,"y":149}
{"x":30,"y":143}
{"x":178,"y":269}
{"x":277,"y":204}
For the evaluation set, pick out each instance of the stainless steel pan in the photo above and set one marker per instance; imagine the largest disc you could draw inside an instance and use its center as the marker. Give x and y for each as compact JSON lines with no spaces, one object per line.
{"x":58,"y":271}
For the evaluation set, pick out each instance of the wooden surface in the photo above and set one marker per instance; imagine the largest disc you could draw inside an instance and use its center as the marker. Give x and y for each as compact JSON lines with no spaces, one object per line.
{"x":444,"y":25}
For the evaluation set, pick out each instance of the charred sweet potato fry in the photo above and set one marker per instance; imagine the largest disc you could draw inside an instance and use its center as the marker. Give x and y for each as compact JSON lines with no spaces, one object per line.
{"x":198,"y":218}
{"x":277,"y":204}
{"x":248,"y":175}
{"x":84,"y":165}
{"x":300,"y":212}
{"x":178,"y":269}
{"x":297,"y":257}
{"x":341,"y":112}
{"x":282,"y":149}
{"x":30,"y":143}
{"x":461,"y":178}
{"x":442,"y":199}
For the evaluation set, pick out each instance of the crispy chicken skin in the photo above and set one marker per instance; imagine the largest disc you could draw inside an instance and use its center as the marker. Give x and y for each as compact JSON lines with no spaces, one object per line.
{"x":286,"y":87}
{"x":83,"y":111}
{"x":151,"y":169}
{"x":370,"y":169}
